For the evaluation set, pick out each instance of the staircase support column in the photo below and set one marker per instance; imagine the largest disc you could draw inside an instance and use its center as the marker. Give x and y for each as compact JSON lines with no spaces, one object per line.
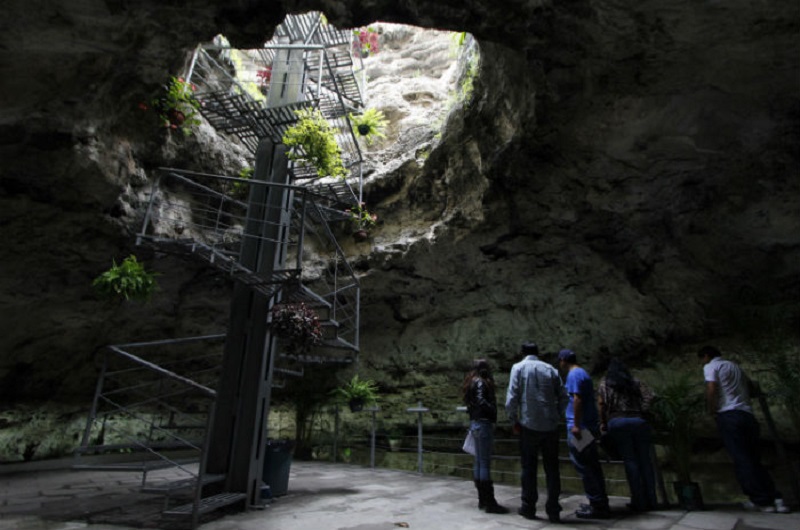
{"x":238,"y":437}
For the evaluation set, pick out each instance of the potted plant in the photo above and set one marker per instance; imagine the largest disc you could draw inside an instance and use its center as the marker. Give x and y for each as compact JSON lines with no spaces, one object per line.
{"x":395,"y":437}
{"x":128,"y":280}
{"x":677,"y":408}
{"x":313,"y":140}
{"x":358,"y":392}
{"x":370,"y":124}
{"x":298,"y":324}
{"x":365,"y":42}
{"x":178,"y":107}
{"x":362,"y":220}
{"x":263,"y":78}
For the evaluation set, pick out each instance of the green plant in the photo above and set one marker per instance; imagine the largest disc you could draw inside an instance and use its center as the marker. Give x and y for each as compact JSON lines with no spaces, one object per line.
{"x":457,"y":40}
{"x":360,"y":217}
{"x":298,"y":324}
{"x":314,"y":140}
{"x":239,"y":189}
{"x":370,"y":124}
{"x":365,"y":390}
{"x":128,"y":280}
{"x":677,"y":408}
{"x":178,"y":107}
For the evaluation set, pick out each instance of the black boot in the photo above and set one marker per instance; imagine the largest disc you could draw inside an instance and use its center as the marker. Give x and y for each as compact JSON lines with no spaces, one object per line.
{"x":481,"y":496}
{"x":489,"y":500}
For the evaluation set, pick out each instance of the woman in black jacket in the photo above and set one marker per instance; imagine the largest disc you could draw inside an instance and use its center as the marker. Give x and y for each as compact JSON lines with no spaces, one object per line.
{"x":479,"y":396}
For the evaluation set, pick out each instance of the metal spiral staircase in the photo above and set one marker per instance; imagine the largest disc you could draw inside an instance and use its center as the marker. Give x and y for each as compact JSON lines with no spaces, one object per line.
{"x":205,"y":413}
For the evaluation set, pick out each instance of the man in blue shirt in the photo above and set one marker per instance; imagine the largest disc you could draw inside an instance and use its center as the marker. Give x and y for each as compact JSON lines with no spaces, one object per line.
{"x":535,"y":402}
{"x":582,"y":422}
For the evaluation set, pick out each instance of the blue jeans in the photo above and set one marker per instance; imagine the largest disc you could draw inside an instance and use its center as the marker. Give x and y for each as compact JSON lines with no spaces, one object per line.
{"x":530,"y":443}
{"x":633,"y":439}
{"x":739,"y":431}
{"x":483,"y":431}
{"x":587,"y":464}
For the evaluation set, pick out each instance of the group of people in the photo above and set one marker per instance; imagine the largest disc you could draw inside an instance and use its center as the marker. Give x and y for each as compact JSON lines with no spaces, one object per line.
{"x":539,"y":396}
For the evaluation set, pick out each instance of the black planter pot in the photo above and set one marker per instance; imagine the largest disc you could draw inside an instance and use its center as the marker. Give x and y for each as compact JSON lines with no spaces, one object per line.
{"x":356,"y":405}
{"x":363,"y":129}
{"x":689,"y":496}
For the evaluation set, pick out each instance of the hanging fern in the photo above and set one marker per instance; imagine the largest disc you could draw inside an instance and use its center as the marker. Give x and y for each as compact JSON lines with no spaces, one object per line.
{"x":314,"y":141}
{"x":128,"y":280}
{"x":370,"y":124}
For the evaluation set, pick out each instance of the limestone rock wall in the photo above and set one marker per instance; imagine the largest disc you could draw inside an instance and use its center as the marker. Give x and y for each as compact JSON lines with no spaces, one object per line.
{"x":624,"y":181}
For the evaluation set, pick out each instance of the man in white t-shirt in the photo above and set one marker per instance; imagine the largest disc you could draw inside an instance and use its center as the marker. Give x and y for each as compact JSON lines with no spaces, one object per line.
{"x":728,"y":400}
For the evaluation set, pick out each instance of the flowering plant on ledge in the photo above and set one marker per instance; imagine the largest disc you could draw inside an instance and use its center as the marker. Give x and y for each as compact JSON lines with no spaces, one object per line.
{"x":365,"y":42}
{"x":298,"y":324}
{"x":362,"y":220}
{"x":360,"y":216}
{"x":178,"y":107}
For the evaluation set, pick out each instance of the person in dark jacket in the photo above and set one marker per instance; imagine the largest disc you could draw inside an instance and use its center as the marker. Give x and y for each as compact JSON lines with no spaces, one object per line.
{"x":623,"y":403}
{"x":479,"y":397}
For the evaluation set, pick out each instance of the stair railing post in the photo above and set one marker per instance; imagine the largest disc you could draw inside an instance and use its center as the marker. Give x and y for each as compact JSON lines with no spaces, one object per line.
{"x":149,"y":211}
{"x":193,"y":63}
{"x":319,"y":74}
{"x":419,"y":410}
{"x":93,"y":411}
{"x":201,"y":471}
{"x":301,"y":236}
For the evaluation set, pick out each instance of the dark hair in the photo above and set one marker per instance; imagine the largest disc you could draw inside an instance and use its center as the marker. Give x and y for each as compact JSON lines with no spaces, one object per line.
{"x":711,"y":351}
{"x":480,"y":370}
{"x":620,"y":379}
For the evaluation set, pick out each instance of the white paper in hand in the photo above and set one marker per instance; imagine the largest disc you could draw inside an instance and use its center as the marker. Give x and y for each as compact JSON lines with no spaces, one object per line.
{"x":586,"y":439}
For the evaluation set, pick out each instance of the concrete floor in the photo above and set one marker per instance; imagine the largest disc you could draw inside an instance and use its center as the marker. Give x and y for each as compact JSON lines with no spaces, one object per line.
{"x":330,"y":497}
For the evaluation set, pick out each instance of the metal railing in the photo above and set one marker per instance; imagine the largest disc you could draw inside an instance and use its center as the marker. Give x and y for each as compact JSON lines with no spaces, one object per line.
{"x":205,"y":216}
{"x":153,"y":410}
{"x":429,"y":440}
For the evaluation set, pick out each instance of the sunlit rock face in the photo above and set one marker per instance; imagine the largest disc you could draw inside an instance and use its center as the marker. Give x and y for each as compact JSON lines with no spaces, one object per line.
{"x":623,"y":180}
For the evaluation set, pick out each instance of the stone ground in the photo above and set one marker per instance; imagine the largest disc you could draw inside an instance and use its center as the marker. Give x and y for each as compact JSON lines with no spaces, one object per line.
{"x":325,"y":496}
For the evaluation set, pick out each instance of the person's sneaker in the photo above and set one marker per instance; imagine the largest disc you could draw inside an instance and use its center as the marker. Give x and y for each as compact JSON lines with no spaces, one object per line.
{"x":592,"y":512}
{"x":752,"y":507}
{"x":780,"y":507}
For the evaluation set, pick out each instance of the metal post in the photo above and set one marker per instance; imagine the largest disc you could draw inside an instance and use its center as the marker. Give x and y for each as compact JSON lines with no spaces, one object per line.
{"x":662,"y":489}
{"x":335,"y":431}
{"x":373,"y":410}
{"x":419,"y":409}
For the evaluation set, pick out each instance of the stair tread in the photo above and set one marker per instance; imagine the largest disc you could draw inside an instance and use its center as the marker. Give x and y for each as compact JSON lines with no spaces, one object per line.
{"x":207,"y":504}
{"x":175,"y":485}
{"x":148,"y":465}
